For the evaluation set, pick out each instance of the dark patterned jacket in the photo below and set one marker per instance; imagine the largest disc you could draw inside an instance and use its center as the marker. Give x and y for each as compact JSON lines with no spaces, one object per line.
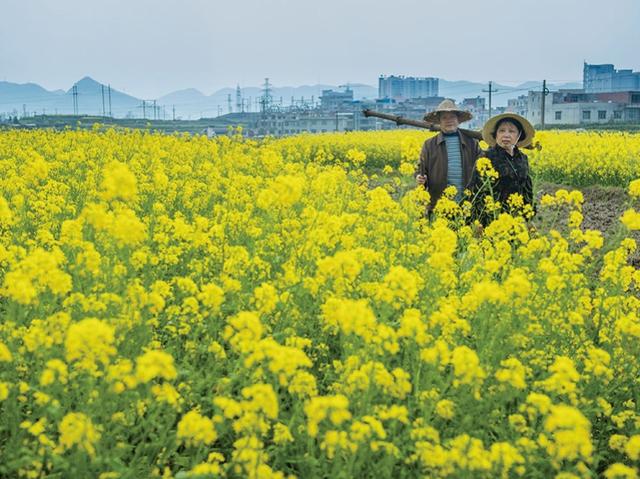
{"x":513,"y":177}
{"x":434,"y":163}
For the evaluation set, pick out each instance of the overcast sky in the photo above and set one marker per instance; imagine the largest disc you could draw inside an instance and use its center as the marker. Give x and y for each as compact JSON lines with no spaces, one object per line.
{"x":151,"y":47}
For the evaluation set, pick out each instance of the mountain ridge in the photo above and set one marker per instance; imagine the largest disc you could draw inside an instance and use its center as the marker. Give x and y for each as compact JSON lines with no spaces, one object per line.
{"x":18,"y":98}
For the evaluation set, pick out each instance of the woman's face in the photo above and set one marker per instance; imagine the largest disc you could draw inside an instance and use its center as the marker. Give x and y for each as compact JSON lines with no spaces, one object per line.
{"x":507,"y":135}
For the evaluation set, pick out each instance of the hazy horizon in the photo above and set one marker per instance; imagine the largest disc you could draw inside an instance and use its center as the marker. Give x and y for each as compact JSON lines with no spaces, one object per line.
{"x":148,"y":49}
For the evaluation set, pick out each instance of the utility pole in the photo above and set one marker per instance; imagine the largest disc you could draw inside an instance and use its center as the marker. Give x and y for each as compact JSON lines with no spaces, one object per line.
{"x":490,"y":91}
{"x":545,"y":92}
{"x":144,"y":109}
{"x":155,"y":111}
{"x":75,"y":99}
{"x":174,"y":113}
{"x":229,"y":107}
{"x":110,"y":112}
{"x":24,"y":110}
{"x":103,"y":110}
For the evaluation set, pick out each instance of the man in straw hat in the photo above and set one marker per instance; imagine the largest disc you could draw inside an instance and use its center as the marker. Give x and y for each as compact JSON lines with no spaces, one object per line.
{"x":449,"y":157}
{"x":505,"y":134}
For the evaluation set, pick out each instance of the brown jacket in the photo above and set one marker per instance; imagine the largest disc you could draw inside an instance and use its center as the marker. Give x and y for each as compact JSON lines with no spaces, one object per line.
{"x":434,"y":163}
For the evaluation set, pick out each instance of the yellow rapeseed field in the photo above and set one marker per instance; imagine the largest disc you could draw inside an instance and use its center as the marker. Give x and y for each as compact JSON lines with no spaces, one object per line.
{"x":575,"y":158}
{"x":174,"y":306}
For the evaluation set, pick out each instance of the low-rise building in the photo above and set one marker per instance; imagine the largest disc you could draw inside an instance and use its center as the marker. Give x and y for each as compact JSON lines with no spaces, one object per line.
{"x":577,"y":107}
{"x":335,"y":100}
{"x":477,"y":106}
{"x":605,"y":78}
{"x":518,"y":105}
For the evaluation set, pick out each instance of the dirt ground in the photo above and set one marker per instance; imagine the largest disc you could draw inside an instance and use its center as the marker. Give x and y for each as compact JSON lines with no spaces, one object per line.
{"x":602,"y":209}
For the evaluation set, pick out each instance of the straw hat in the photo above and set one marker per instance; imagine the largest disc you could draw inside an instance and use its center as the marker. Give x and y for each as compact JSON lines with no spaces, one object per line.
{"x":527,"y":129}
{"x":447,"y":106}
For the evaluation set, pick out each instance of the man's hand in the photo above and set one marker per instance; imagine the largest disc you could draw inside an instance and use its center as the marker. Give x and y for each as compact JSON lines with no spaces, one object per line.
{"x":421,"y":179}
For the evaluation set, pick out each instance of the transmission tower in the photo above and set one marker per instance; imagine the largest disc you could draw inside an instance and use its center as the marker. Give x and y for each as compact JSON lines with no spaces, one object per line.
{"x":239,"y":102}
{"x":266,"y":99}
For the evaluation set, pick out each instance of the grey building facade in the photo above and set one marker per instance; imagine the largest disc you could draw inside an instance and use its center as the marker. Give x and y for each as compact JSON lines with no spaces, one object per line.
{"x":605,"y":78}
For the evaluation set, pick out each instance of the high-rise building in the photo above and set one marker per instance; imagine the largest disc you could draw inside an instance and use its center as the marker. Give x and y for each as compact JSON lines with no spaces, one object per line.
{"x":401,"y":88}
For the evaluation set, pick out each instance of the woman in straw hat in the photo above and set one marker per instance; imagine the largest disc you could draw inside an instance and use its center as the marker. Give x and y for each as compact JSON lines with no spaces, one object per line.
{"x":447,"y":158}
{"x":505,"y":134}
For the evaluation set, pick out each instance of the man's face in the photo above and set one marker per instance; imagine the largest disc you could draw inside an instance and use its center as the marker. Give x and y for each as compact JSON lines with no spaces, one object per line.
{"x":448,"y":122}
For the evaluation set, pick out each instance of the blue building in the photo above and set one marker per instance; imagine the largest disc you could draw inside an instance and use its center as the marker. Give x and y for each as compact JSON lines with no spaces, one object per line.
{"x":605,"y":78}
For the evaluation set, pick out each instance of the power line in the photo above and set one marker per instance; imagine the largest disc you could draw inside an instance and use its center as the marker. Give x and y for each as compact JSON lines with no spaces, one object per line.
{"x":506,"y":92}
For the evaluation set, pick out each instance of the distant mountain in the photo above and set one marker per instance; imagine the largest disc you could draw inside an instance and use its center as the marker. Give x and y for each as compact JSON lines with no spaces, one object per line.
{"x":185,"y":101}
{"x":361,"y":92}
{"x":24,"y":91}
{"x":15,"y":99}
{"x":18,"y":98}
{"x":92,"y":96}
{"x":566,"y":86}
{"x":182,"y":96}
{"x":191,"y":103}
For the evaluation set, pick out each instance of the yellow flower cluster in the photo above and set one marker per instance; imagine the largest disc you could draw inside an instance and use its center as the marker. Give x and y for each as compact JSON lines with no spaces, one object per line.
{"x":76,"y":429}
{"x":195,"y":429}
